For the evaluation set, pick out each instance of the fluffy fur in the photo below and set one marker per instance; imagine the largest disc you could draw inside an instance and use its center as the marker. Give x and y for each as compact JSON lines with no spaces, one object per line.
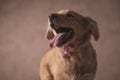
{"x":81,"y":64}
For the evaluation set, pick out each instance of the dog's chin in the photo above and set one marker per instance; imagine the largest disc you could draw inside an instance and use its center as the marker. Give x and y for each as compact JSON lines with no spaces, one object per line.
{"x":63,"y":35}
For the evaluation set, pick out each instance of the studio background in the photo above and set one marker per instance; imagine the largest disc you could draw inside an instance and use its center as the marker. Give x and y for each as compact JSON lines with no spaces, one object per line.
{"x":22,"y":42}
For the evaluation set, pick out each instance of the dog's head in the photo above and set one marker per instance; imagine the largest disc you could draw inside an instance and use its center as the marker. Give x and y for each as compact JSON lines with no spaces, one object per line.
{"x":67,"y":26}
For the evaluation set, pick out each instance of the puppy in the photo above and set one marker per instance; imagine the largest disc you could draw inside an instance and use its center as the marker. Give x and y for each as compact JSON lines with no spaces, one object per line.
{"x":72,"y":56}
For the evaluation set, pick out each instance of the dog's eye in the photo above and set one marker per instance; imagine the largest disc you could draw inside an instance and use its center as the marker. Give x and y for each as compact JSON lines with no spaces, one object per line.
{"x":69,"y":15}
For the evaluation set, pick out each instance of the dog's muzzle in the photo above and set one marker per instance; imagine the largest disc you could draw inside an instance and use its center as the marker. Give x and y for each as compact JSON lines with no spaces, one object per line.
{"x":64,"y":34}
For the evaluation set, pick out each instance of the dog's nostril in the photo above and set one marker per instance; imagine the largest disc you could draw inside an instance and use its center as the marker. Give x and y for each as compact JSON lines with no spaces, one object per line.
{"x":53,"y":16}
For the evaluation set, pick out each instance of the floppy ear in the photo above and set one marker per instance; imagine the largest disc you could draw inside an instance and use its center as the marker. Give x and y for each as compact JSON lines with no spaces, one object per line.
{"x":93,"y":28}
{"x":49,"y":33}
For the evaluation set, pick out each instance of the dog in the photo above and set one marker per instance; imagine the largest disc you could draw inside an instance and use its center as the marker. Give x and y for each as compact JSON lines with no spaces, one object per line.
{"x":72,"y":56}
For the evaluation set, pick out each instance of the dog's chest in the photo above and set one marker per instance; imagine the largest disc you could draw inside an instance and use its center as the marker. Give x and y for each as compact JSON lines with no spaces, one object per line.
{"x":66,"y":69}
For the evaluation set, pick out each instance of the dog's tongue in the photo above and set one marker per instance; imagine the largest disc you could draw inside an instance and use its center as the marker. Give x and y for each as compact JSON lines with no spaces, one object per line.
{"x":55,"y":40}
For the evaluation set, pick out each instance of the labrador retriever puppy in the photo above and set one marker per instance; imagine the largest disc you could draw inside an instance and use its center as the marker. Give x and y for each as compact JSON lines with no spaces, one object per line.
{"x":72,"y":56}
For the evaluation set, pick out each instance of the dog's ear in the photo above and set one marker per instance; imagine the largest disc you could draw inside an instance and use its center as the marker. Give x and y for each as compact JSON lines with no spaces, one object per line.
{"x":93,"y":27}
{"x":49,"y":33}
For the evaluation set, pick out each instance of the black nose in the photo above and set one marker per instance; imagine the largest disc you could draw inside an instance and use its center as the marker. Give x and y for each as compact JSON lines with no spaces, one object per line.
{"x":53,"y":16}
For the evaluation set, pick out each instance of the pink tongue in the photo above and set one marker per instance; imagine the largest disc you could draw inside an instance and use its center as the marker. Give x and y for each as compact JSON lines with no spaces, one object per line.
{"x":55,"y":40}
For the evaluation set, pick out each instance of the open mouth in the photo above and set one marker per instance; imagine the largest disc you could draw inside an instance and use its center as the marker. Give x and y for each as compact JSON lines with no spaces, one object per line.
{"x":64,"y":34}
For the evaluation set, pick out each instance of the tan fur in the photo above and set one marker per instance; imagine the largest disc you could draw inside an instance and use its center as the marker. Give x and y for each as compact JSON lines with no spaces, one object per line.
{"x":82,"y":64}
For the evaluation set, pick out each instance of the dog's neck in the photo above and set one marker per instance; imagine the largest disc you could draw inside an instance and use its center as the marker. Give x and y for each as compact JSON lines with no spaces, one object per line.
{"x":74,"y":49}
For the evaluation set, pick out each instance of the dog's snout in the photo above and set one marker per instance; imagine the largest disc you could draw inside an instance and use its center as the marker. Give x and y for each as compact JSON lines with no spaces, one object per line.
{"x":53,"y":16}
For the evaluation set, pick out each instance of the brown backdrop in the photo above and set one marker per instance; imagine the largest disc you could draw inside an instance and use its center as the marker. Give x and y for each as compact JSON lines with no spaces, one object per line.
{"x":22,"y":43}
